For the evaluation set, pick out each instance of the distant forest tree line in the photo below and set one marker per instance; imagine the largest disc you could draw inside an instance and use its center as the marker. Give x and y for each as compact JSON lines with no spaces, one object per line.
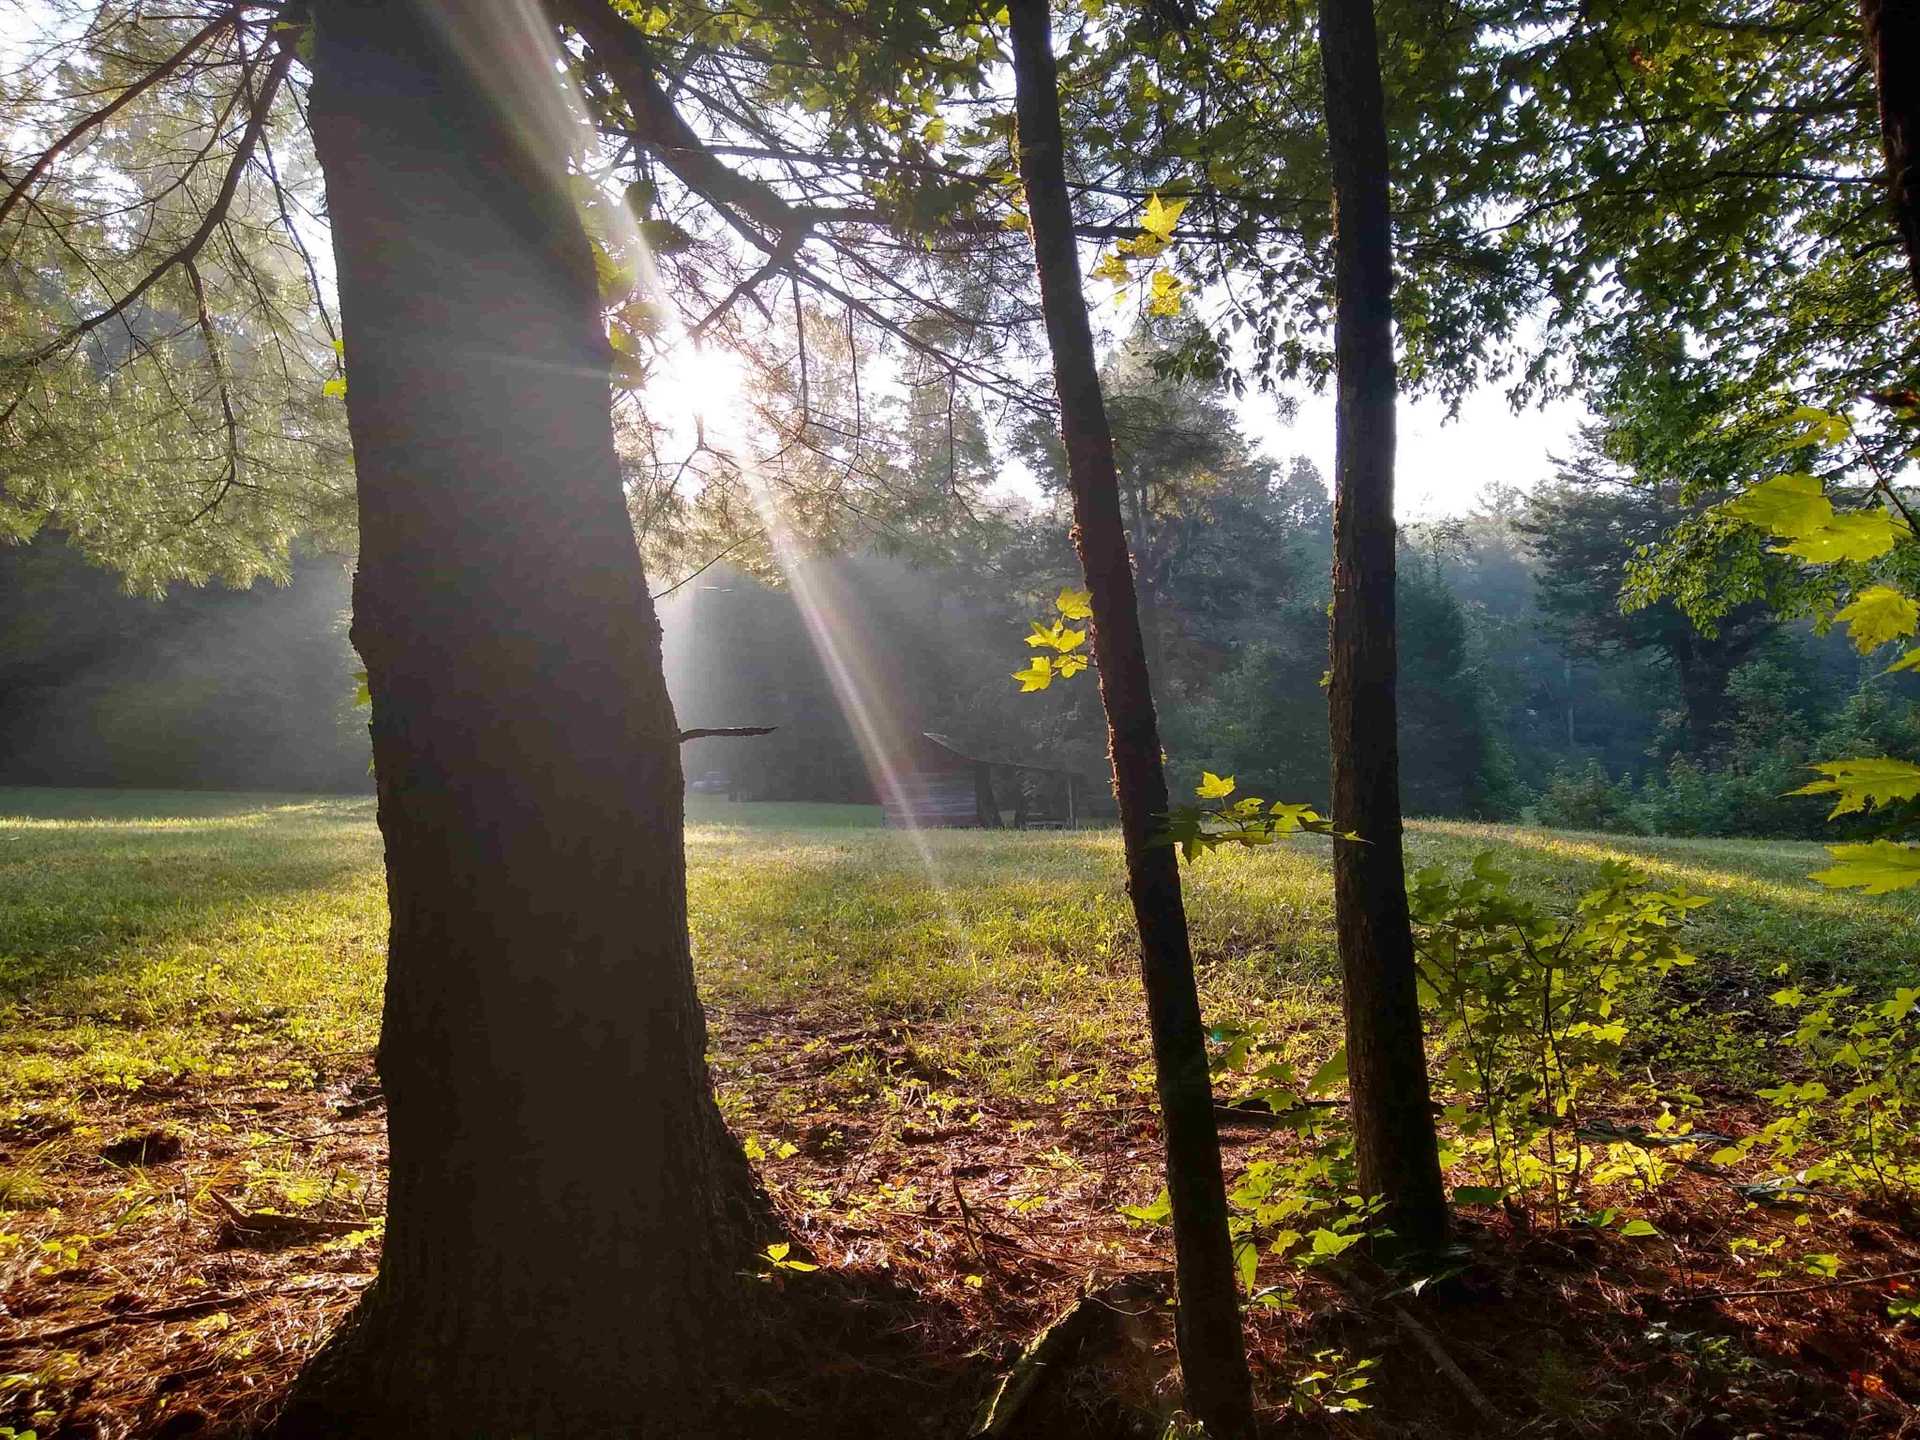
{"x":1528,"y":691}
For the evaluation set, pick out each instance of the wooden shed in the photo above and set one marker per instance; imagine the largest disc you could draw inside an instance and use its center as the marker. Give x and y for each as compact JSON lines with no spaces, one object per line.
{"x":938,"y":785}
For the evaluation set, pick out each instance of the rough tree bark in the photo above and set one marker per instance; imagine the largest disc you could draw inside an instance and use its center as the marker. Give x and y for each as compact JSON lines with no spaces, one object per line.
{"x":1893,"y":47}
{"x":1212,"y":1351}
{"x":1394,"y":1141}
{"x":567,"y":1216}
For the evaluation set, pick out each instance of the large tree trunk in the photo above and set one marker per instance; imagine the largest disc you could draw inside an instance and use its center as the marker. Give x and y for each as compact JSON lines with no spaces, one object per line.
{"x":567,"y":1216}
{"x":1212,"y":1353}
{"x":1394,"y":1142}
{"x":1893,"y":47}
{"x":1703,"y":692}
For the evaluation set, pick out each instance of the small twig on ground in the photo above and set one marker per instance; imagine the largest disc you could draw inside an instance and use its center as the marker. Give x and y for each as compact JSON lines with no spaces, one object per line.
{"x":1043,"y":1356}
{"x":966,"y":1220}
{"x":1475,"y":1396}
{"x":353,"y":1109}
{"x":1789,"y":1289}
{"x":269,"y":1225}
{"x":181,"y":1311}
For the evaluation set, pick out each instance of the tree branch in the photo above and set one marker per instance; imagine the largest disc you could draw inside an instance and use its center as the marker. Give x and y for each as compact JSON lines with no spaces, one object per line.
{"x":106,"y":112}
{"x":216,"y":212}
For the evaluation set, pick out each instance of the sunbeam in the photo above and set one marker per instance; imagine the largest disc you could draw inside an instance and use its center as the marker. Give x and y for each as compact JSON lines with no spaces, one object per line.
{"x":879,"y":730}
{"x":693,"y":381}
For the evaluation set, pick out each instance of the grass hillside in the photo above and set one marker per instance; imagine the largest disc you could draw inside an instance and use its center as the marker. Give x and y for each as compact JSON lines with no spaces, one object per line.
{"x":934,"y":1048}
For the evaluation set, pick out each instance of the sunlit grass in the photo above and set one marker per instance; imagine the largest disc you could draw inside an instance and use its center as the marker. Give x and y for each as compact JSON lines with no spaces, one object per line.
{"x":145,"y":937}
{"x":1765,"y":911}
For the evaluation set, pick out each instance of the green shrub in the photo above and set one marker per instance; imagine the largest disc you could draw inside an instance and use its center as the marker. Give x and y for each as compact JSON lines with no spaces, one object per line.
{"x":1585,"y":799}
{"x":1527,"y":1008}
{"x":1848,"y":1117}
{"x":1749,"y":795}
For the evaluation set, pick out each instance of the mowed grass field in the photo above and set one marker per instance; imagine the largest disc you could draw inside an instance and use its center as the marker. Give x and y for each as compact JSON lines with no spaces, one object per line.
{"x":151,"y":936}
{"x":919,"y":1039}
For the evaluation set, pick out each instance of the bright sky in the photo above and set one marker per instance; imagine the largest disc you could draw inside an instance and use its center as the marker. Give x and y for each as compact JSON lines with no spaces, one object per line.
{"x":1443,"y":464}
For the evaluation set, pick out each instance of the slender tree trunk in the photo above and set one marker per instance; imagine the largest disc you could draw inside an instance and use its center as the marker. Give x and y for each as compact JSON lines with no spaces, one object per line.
{"x":567,"y":1216}
{"x":1395,"y":1146}
{"x":1212,"y":1353}
{"x":1146,"y":576}
{"x":1893,"y":47}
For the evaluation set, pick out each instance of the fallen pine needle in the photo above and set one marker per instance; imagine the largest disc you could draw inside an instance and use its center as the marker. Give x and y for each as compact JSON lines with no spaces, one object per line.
{"x":166,"y":1312}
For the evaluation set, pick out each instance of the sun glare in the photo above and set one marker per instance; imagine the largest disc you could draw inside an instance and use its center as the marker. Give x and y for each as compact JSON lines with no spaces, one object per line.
{"x":699,"y":382}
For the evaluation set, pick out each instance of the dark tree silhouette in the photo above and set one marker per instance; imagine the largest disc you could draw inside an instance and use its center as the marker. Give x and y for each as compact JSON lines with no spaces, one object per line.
{"x":1394,"y":1142}
{"x":1893,"y":48}
{"x":567,"y":1217}
{"x":1212,"y":1352}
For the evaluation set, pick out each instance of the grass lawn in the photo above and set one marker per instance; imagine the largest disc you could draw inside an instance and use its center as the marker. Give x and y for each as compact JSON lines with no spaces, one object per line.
{"x":936,"y":1052}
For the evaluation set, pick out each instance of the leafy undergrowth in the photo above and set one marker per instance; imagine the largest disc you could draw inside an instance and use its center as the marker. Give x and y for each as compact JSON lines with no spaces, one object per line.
{"x":942,"y":1076}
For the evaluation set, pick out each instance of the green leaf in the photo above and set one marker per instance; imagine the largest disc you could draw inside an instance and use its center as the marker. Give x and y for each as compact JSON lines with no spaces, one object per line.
{"x":1158,"y":1213}
{"x":1213,"y":787}
{"x":777,"y":1254}
{"x":1790,"y":506}
{"x":1878,"y":868}
{"x":1902,"y":1003}
{"x":1879,"y":614}
{"x":616,"y":281}
{"x":1859,"y":535}
{"x":1864,"y":783}
{"x":1639,"y":1229}
{"x":1816,"y":427}
{"x":336,"y":388}
{"x":1246,"y":1259}
{"x":1329,"y":1243}
{"x":1330,"y":1074}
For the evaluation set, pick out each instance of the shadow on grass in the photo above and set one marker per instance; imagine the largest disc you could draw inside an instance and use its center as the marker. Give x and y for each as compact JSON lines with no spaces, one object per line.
{"x":105,"y":896}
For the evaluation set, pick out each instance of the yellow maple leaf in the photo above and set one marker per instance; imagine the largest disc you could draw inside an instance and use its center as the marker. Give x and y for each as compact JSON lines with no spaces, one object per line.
{"x":1037,"y":676}
{"x":1161,"y":217}
{"x":1878,"y":614}
{"x":1167,"y":290}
